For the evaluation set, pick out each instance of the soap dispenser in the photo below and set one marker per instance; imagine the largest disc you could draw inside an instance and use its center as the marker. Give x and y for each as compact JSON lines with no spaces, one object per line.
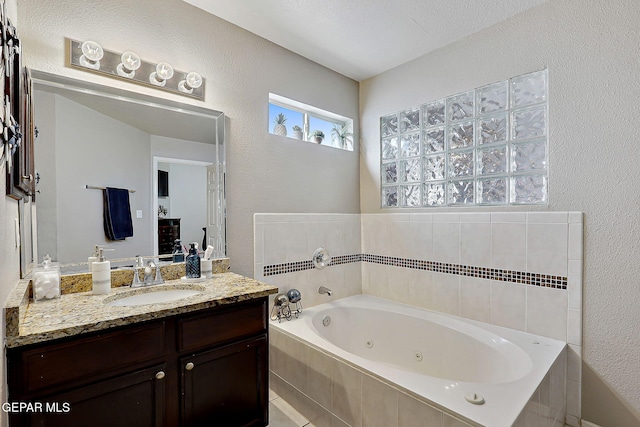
{"x":101,"y":275}
{"x":93,"y":258}
{"x":193,"y":263}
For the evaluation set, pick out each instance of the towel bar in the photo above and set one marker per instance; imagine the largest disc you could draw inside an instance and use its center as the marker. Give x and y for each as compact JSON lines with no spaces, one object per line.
{"x":93,"y":187}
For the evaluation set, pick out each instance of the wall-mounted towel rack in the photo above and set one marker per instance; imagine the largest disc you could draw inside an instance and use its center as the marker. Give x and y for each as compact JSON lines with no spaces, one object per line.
{"x":93,"y":187}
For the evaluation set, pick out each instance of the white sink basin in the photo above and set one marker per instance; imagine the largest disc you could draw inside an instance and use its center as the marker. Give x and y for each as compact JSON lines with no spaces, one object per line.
{"x":152,"y":297}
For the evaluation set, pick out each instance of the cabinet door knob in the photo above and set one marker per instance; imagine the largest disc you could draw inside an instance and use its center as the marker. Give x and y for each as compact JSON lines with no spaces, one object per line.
{"x":160,"y":375}
{"x":189,"y":366}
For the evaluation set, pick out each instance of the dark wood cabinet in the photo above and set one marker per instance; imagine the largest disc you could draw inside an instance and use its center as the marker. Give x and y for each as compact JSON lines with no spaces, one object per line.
{"x":204,"y":368}
{"x":168,"y":232}
{"x":225,"y":386}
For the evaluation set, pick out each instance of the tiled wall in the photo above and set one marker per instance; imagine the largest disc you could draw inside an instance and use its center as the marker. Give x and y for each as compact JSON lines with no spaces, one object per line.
{"x":521,"y":270}
{"x":289,"y":240}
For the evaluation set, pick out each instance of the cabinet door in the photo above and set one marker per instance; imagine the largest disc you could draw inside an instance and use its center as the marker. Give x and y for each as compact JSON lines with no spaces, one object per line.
{"x":226,"y":386}
{"x":135,"y":399}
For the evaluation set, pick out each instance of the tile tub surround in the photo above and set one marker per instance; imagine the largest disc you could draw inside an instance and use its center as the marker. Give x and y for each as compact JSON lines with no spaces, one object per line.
{"x":545,"y":243}
{"x":326,"y":388}
{"x":28,"y":322}
{"x":286,"y":242}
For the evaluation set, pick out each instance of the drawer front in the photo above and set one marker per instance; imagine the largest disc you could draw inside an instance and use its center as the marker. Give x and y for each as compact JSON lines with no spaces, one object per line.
{"x":219,"y":326}
{"x":81,"y":358}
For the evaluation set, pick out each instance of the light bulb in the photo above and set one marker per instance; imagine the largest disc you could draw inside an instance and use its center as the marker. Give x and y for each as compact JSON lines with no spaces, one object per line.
{"x":130,"y":63}
{"x":191,"y":81}
{"x":164,"y":72}
{"x":92,"y":53}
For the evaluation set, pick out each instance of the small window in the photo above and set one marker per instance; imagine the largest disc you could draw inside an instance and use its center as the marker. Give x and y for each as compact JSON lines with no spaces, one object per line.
{"x":296,"y":120}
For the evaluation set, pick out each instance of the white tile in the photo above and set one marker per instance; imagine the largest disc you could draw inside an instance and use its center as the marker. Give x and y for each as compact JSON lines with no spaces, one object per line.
{"x":397,"y":239}
{"x":547,"y":217}
{"x":547,"y":312}
{"x":296,"y":242}
{"x":347,"y":393}
{"x":451,"y":421}
{"x":258,"y":228}
{"x":386,"y":217}
{"x":336,"y":232}
{"x":446,"y":293}
{"x":421,"y":240}
{"x":574,"y":362}
{"x":316,"y":236}
{"x":275,"y":243}
{"x":508,"y":246}
{"x":508,"y":305}
{"x":574,"y":327}
{"x":572,"y":421}
{"x":446,"y":242}
{"x":575,"y":266}
{"x":498,"y":217}
{"x":475,"y":244}
{"x":282,"y":414}
{"x":474,"y":217}
{"x":295,"y":217}
{"x":547,"y":249}
{"x":412,"y":412}
{"x":271,"y":217}
{"x":575,"y":241}
{"x":446,"y":217}
{"x":258,"y":272}
{"x":421,"y":293}
{"x":258,"y":248}
{"x":352,"y":239}
{"x":573,"y":398}
{"x":575,"y":217}
{"x":422,"y":217}
{"x":379,"y":403}
{"x":475,"y":299}
{"x":258,"y":218}
{"x":369,"y":236}
{"x":574,"y":287}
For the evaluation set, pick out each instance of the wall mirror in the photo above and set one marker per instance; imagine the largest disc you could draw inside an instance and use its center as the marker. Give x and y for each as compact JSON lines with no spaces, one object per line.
{"x":92,"y":136}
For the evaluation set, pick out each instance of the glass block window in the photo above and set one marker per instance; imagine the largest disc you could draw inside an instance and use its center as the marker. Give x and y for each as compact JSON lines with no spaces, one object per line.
{"x":293,"y":119}
{"x":487,"y":146}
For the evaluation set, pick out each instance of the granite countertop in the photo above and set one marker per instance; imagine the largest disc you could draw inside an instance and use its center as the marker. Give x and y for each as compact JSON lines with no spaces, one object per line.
{"x":29,"y":322}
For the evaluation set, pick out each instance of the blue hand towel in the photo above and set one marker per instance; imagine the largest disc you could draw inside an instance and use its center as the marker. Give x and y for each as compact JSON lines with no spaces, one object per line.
{"x":117,"y":214}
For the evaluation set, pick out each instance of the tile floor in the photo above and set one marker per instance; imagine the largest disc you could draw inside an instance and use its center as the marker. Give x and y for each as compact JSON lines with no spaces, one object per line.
{"x":281,"y":414}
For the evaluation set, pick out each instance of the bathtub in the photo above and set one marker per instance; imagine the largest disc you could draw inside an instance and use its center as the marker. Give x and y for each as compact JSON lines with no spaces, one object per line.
{"x":478,"y":373}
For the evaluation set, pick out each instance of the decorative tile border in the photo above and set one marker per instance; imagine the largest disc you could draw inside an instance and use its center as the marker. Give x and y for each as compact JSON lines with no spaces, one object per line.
{"x":513,"y":276}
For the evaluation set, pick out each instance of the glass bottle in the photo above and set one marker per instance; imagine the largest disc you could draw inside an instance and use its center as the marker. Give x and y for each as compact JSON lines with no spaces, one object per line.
{"x":193,"y":263}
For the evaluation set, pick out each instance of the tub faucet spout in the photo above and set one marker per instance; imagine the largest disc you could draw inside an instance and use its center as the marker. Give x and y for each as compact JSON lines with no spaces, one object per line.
{"x":324,"y":290}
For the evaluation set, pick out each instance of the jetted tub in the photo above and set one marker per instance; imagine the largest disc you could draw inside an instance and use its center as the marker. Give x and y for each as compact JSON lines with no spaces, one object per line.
{"x":449,"y":362}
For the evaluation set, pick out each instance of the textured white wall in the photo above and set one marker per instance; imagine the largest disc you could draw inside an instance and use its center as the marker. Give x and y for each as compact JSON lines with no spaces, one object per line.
{"x":591,"y":50}
{"x":265,"y":173}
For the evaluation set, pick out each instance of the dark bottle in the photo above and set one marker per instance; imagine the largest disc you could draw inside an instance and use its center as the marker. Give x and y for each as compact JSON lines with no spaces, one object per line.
{"x":193,"y":263}
{"x":178,"y":254}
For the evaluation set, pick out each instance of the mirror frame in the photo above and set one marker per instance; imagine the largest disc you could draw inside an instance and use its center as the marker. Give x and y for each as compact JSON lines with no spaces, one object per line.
{"x":41,"y":78}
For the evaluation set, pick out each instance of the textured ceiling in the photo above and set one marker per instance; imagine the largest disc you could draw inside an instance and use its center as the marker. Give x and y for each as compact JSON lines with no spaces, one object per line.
{"x":363,"y":38}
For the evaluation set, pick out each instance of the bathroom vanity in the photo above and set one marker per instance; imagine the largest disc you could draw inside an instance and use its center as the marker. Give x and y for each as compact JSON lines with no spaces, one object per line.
{"x":200,"y":360}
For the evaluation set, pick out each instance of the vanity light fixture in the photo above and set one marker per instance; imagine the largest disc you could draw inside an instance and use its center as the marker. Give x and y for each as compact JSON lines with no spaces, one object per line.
{"x":92,"y":53}
{"x":192,"y":81}
{"x":90,"y":56}
{"x":163,"y":72}
{"x":130,"y":63}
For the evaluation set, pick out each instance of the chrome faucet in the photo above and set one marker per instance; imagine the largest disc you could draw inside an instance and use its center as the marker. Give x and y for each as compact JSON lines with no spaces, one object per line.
{"x":149,"y":278}
{"x":324,"y":290}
